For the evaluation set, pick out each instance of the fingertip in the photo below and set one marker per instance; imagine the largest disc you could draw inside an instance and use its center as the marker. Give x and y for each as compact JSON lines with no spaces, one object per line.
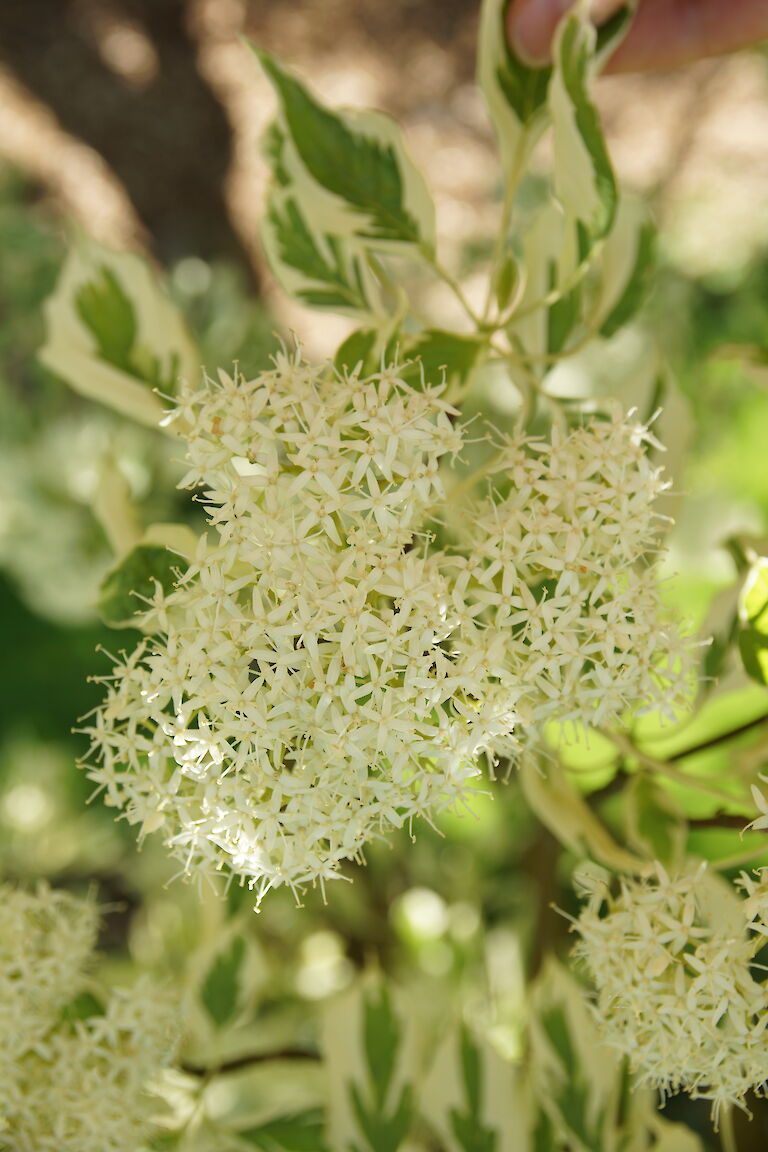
{"x":531,"y":25}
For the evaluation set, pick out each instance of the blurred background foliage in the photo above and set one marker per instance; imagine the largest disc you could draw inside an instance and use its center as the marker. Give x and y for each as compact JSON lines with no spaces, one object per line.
{"x":137,"y":120}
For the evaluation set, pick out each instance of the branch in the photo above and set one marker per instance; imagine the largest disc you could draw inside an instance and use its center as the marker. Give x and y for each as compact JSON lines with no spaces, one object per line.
{"x":239,"y":1062}
{"x":720,"y":820}
{"x":716,"y":741}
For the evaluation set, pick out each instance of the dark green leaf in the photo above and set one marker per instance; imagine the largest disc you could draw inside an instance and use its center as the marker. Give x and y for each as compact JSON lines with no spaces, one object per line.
{"x":221,"y":989}
{"x":383,"y":1133}
{"x":753,"y":617}
{"x":524,"y":88}
{"x":83,"y":1007}
{"x":470,"y":1067}
{"x":337,"y":274}
{"x":302,"y":1132}
{"x":506,"y":282}
{"x":753,"y":647}
{"x":273,"y":146}
{"x":574,"y":56}
{"x":468,"y":1127}
{"x":555,"y":1024}
{"x":612,"y":30}
{"x":357,"y":349}
{"x":381,"y":1038}
{"x":637,"y":285}
{"x":543,"y":1135}
{"x":107,"y":312}
{"x":570,"y":1094}
{"x":653,"y":821}
{"x":562,"y":316}
{"x":132,"y":581}
{"x":109,"y":315}
{"x":441,"y":355}
{"x":471,"y":1134}
{"x":358,"y":168}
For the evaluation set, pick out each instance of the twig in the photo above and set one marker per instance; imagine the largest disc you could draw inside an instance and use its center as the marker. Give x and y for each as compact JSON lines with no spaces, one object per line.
{"x":255,"y":1058}
{"x":716,"y":741}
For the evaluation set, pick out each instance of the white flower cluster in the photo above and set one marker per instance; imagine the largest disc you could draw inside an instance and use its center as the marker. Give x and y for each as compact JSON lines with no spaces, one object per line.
{"x":671,"y":959}
{"x":300,"y":691}
{"x":70,"y":1085}
{"x":323,"y":671}
{"x":558,"y":560}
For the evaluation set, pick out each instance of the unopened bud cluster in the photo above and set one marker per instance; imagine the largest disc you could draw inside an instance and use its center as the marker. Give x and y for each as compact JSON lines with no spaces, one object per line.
{"x":71,"y":1081}
{"x":323,"y":671}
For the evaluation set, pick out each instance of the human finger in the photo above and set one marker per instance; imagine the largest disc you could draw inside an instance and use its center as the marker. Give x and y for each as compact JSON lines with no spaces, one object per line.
{"x":664,"y":34}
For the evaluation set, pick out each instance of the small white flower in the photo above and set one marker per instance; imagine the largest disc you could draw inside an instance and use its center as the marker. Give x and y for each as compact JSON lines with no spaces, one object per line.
{"x":298,"y":696}
{"x":71,"y":1086}
{"x":670,"y":959}
{"x":323,"y":672}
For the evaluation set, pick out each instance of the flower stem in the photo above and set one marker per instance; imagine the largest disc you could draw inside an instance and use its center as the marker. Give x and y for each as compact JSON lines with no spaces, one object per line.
{"x":727,"y":1134}
{"x":442,"y":272}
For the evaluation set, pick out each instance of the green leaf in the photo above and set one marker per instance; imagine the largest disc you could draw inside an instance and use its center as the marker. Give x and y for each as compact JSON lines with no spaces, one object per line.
{"x":273,"y":148}
{"x":571,"y":1095}
{"x":562,"y":316}
{"x":654,"y":822}
{"x":221,"y":989}
{"x":384,"y":1132}
{"x":543,"y":1136}
{"x":82,"y":1007}
{"x":104,"y":308}
{"x":321,"y":270}
{"x":359,"y":158}
{"x":612,"y":31}
{"x":753,"y":618}
{"x":113,"y":333}
{"x":302,"y":1132}
{"x":516,"y":95}
{"x":555,"y":1024}
{"x":549,"y":255}
{"x":471,"y":1136}
{"x":637,"y":284}
{"x":357,"y":349}
{"x":577,"y":1078}
{"x":584,"y":179}
{"x":441,"y":355}
{"x":133,"y":580}
{"x":467,"y":1126}
{"x":507,"y":279}
{"x":470,"y":1067}
{"x":381,"y":1038}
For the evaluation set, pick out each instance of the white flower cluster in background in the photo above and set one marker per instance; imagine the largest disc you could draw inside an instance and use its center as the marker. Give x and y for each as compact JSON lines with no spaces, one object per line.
{"x":68,"y":1084}
{"x":671,"y":959}
{"x":560,"y":563}
{"x":323,"y":671}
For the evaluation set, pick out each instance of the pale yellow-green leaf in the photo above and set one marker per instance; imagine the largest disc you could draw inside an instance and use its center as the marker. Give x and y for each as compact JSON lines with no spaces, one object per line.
{"x":158,"y":349}
{"x":583,"y":176}
{"x":504,"y":1103}
{"x":670,"y":1137}
{"x":574,"y":1074}
{"x":176,"y":537}
{"x":618,"y":257}
{"x":570,"y":819}
{"x":114,"y":508}
{"x":549,"y":261}
{"x":312,"y":248}
{"x":655,"y":824}
{"x":515,"y":94}
{"x":356,"y":159}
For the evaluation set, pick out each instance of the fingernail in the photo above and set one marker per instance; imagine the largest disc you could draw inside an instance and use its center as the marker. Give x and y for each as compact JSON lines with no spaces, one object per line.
{"x":533,"y":29}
